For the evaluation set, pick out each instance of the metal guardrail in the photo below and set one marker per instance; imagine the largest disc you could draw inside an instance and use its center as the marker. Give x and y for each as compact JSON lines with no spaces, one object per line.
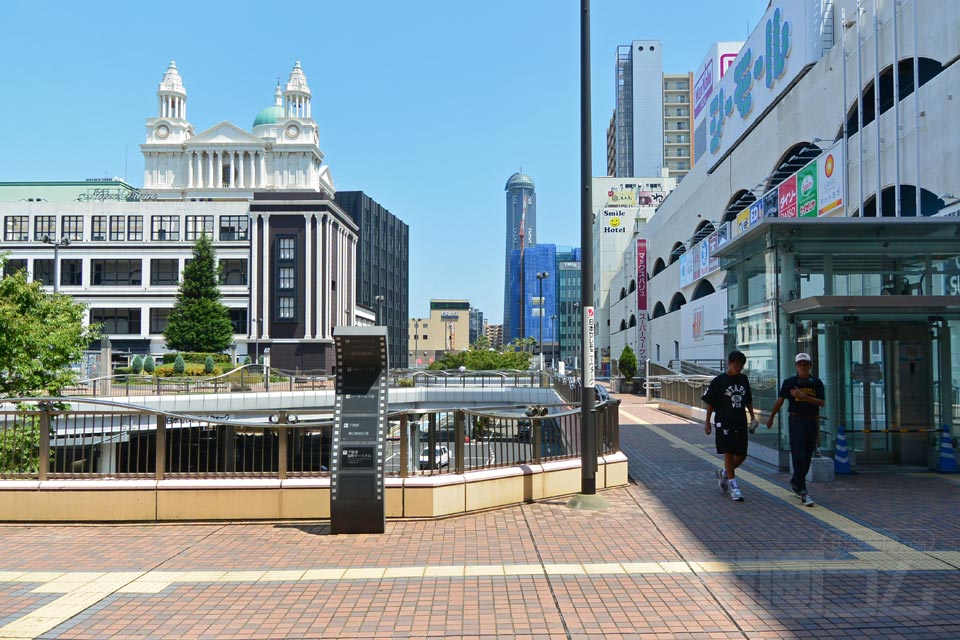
{"x":47,"y":438}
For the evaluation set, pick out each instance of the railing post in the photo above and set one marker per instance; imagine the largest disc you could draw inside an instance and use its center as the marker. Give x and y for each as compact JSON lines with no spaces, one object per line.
{"x":282,"y":446}
{"x":43,"y":464}
{"x":404,"y":446}
{"x":459,"y":438}
{"x":432,"y":440}
{"x":536,"y":439}
{"x":161,"y":447}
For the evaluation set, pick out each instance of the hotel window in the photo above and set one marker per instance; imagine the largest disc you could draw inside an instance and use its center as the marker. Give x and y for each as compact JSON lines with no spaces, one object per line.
{"x":116,"y":228}
{"x":123,"y":321}
{"x":116,"y":273}
{"x":285,"y":310}
{"x":159,"y":319}
{"x":238,"y":318}
{"x":233,"y":272}
{"x":164,"y":271}
{"x":165,"y":228}
{"x":16,"y":228}
{"x":71,"y":273}
{"x":287,"y":278}
{"x":135,"y":228}
{"x":199,"y":225}
{"x":98,"y":230}
{"x":43,"y":272}
{"x":44,"y":226}
{"x":14,"y":266}
{"x":233,"y":227}
{"x":72,"y":227}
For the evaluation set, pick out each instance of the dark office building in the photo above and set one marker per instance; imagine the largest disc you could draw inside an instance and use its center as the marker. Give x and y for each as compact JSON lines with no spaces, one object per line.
{"x":568,"y":304}
{"x":383,"y":267}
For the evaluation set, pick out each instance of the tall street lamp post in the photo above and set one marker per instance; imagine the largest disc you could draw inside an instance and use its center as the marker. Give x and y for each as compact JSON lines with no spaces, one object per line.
{"x":541,"y":276}
{"x":553,"y":346}
{"x":57,"y":244}
{"x":416,"y":339}
{"x":256,"y":339}
{"x":379,"y":301}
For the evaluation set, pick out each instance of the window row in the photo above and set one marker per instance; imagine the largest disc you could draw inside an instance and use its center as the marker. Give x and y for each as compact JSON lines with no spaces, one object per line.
{"x":107,"y":273}
{"x":119,"y":228}
{"x":129,"y":321}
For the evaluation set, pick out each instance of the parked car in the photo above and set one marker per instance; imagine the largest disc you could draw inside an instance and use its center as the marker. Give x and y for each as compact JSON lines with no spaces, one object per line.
{"x":524,"y":430}
{"x":441,"y":458}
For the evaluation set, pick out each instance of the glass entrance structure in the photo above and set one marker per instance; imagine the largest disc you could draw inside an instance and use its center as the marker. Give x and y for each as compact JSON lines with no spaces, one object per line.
{"x":876,"y":303}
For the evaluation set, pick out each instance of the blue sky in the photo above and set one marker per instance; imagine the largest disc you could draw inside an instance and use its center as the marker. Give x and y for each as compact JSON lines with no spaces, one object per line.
{"x":428,"y":106}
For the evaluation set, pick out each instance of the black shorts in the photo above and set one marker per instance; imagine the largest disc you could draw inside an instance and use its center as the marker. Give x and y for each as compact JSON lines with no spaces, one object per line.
{"x":732,"y":440}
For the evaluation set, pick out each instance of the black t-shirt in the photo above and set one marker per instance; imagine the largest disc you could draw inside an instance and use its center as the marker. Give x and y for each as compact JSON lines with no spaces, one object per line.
{"x":810,"y":386}
{"x":729,"y":397}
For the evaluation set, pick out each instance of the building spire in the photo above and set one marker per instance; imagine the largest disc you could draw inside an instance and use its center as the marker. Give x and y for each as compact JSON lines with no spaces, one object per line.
{"x":172,"y":96}
{"x":297,"y":94}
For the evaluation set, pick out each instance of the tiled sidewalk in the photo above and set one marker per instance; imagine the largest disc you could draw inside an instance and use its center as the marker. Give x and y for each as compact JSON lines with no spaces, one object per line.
{"x":673,"y":557}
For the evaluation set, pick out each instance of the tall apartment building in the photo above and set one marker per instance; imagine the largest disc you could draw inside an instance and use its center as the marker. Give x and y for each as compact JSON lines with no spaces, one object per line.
{"x":383,"y":267}
{"x":651,"y":127}
{"x":678,"y":123}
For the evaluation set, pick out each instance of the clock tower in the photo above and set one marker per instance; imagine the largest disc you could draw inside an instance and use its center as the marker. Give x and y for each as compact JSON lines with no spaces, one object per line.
{"x":170,"y":126}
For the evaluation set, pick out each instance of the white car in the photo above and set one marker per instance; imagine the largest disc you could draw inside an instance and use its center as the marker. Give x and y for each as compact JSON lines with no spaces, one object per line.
{"x":441,"y":458}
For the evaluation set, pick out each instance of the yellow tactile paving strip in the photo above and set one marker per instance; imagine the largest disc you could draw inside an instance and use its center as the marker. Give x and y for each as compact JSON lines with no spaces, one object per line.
{"x":82,"y":590}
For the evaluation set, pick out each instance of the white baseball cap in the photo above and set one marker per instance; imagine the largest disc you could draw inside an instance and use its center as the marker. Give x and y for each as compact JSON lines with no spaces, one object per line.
{"x":803,"y":357}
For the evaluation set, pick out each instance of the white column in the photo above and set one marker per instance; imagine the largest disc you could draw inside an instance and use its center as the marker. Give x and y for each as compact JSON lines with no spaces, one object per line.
{"x":190,"y":170}
{"x":218,"y":176}
{"x":148,"y":170}
{"x":352,"y":276}
{"x":328,"y":276}
{"x":254,"y":272}
{"x":308,"y":277}
{"x":210,"y":182}
{"x":267,"y":275}
{"x":240,"y":169}
{"x":263,"y":170}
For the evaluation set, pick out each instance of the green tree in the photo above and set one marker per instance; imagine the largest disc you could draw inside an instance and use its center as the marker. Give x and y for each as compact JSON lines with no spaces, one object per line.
{"x":136,"y":366}
{"x":628,"y":363}
{"x":208,"y":365}
{"x":149,"y":366}
{"x":179,"y":366}
{"x":199,"y":321}
{"x":41,"y":335}
{"x":485,"y":359}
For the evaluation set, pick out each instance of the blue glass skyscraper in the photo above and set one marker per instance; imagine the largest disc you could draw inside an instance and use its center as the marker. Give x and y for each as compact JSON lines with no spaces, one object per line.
{"x":539,"y":259}
{"x":521,"y":232}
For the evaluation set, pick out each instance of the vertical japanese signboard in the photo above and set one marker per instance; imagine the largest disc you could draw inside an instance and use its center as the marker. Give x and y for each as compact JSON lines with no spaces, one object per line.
{"x":830,"y":168}
{"x":807,"y":191}
{"x":589,"y":339}
{"x":359,"y":431}
{"x":787,"y":192}
{"x":641,"y":300}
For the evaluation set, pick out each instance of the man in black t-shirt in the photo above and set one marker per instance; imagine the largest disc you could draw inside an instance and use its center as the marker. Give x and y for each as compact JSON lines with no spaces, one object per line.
{"x":729,"y":397}
{"x":806,"y":396}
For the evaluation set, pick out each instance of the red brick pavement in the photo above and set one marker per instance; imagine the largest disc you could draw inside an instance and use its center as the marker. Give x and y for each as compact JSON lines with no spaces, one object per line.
{"x":672,"y":513}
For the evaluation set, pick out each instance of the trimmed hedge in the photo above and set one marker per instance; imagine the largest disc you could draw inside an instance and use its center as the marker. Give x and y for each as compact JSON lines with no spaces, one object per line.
{"x":191,"y":370}
{"x":196,"y":358}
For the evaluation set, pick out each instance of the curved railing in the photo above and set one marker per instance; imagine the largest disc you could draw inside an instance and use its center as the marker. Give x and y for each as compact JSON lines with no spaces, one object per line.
{"x":95,"y":438}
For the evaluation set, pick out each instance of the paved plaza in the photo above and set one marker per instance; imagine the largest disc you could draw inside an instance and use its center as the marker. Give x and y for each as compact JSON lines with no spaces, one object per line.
{"x":673,"y":557}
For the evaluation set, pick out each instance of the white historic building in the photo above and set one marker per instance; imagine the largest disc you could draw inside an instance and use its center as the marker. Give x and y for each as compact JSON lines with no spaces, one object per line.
{"x":288,"y":252}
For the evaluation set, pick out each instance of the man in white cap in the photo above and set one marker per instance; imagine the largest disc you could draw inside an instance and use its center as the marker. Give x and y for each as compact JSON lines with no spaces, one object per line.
{"x":806,"y":396}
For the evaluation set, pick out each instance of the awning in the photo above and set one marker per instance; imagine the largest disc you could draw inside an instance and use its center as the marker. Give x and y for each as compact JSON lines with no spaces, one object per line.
{"x":889,"y":307}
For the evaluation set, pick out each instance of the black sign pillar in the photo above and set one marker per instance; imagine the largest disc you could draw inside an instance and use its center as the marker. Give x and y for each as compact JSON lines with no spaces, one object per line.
{"x":359,"y":431}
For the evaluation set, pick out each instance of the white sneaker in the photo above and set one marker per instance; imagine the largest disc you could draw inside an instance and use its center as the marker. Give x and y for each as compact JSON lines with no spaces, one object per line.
{"x":735,"y":494}
{"x":722,"y":480}
{"x":807,"y":500}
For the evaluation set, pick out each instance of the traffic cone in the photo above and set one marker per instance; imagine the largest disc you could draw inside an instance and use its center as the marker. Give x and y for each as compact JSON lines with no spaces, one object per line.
{"x":841,"y":457}
{"x":948,"y":461}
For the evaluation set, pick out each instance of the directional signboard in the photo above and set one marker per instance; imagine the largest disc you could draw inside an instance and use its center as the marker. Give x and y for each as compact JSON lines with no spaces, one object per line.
{"x":359,"y":431}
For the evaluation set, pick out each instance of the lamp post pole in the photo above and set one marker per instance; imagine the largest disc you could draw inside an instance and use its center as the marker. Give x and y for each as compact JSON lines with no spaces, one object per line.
{"x":541,"y":276}
{"x":256,"y":339}
{"x":576,"y":329}
{"x":379,"y":301}
{"x":57,"y":244}
{"x":416,"y":339}
{"x":553,"y":346}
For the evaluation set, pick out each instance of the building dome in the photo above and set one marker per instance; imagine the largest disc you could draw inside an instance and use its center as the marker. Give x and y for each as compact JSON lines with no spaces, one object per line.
{"x":519,"y":181}
{"x":269,"y":115}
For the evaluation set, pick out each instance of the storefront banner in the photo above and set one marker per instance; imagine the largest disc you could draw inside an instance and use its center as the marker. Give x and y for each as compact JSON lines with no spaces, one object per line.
{"x":697,"y":265}
{"x":807,"y":191}
{"x":642,"y":275}
{"x":742,"y":222}
{"x":686,"y":269}
{"x":724,"y":233}
{"x":830,"y":168}
{"x":718,"y":59}
{"x":756,"y":213}
{"x":704,"y":248}
{"x":770,"y":204}
{"x":787,"y":190}
{"x":713,"y":242}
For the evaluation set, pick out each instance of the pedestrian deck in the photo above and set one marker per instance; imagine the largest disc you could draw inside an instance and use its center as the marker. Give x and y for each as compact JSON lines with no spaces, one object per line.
{"x":672,"y":557}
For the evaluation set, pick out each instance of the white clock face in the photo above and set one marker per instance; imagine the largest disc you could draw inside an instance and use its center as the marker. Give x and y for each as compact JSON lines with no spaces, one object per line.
{"x":293,"y":131}
{"x":163,"y":131}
